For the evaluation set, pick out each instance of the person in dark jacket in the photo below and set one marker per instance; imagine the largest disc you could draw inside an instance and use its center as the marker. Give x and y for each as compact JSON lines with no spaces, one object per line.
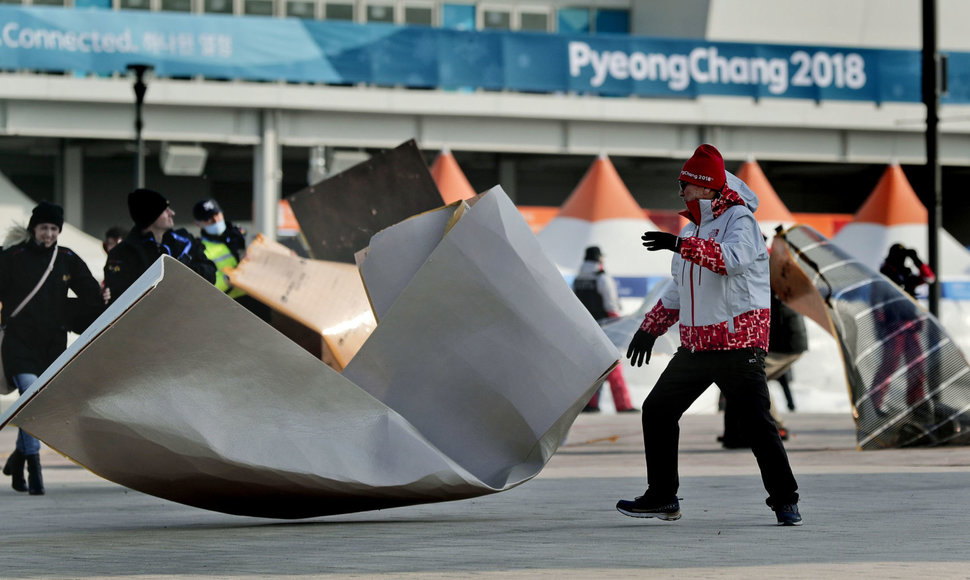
{"x":151,"y":237}
{"x":38,"y":333}
{"x":787,"y":341}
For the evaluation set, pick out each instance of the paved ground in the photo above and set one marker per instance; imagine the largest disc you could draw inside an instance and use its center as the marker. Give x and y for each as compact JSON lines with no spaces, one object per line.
{"x":884,"y":514}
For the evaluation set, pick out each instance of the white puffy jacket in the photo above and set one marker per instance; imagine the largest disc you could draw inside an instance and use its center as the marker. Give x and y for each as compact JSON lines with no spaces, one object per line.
{"x":722,"y":292}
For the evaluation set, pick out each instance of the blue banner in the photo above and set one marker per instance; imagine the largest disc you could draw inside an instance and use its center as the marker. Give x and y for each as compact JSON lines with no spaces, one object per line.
{"x":274,"y":49}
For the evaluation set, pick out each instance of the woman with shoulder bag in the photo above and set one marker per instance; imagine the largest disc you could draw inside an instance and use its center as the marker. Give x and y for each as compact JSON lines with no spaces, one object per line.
{"x":35,"y":276}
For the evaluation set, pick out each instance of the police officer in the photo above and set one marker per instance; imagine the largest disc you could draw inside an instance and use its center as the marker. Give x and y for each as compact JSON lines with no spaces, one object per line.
{"x":225,"y":245}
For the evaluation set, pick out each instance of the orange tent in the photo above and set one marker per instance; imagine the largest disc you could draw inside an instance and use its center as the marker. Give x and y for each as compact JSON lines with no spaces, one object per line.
{"x":601,"y":195}
{"x":893,"y":202}
{"x":450,"y":179}
{"x":770,"y":206}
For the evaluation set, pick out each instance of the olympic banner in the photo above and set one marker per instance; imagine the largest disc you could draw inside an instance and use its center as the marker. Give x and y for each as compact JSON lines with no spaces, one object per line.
{"x":292,"y":50}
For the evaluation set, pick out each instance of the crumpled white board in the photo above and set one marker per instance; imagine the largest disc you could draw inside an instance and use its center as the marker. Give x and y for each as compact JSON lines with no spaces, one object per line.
{"x":466,"y":387}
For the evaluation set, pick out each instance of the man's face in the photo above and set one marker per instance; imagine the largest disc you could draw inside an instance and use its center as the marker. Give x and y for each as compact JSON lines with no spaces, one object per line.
{"x":690,"y":192}
{"x":214,"y":219}
{"x":46,"y":234}
{"x":164,"y":221}
{"x":109,"y":243}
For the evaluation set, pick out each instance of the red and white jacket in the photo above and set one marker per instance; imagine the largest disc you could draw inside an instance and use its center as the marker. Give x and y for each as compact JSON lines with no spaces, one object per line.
{"x":722,"y":292}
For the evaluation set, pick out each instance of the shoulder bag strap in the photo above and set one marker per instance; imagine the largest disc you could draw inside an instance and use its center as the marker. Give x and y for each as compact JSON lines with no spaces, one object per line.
{"x":39,"y":284}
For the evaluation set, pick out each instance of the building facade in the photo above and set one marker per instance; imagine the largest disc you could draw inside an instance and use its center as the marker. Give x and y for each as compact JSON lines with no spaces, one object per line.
{"x":250,"y":100}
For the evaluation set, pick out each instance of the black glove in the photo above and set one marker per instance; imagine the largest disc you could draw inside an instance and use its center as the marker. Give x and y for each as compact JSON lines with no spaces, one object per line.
{"x":640,"y":348}
{"x":914,"y":257}
{"x":654,"y":241}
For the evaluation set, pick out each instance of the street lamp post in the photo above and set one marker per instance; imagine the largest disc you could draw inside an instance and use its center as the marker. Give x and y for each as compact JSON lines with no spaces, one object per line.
{"x":140,"y":88}
{"x":932,"y":188}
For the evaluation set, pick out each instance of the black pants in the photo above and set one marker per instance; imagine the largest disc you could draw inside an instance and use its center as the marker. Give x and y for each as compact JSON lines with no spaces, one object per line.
{"x":740,"y":375}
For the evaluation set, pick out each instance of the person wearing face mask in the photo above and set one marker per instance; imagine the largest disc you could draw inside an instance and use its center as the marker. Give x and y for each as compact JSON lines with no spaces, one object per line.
{"x":720,"y":297}
{"x":225,"y":245}
{"x":35,"y":277}
{"x":152,"y":236}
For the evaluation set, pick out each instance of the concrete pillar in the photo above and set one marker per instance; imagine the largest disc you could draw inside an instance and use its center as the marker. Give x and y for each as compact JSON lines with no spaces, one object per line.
{"x":71,"y":184}
{"x":508,"y":175}
{"x":321,"y":159}
{"x":267,"y":175}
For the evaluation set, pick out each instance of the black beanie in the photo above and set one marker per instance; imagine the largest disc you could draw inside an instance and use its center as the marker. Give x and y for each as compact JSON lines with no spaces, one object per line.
{"x":145,"y":205}
{"x":46,"y":213}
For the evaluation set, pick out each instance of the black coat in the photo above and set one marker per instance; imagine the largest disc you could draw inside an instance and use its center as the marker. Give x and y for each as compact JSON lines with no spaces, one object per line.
{"x":38,"y":335}
{"x":788,"y":334}
{"x":134,"y":254}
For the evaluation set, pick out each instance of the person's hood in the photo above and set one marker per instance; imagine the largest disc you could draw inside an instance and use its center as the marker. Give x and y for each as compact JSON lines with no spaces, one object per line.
{"x":746,"y":194}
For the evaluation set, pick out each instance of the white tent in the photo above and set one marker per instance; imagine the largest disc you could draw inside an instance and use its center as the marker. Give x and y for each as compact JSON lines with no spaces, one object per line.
{"x":894,"y":214}
{"x":602,"y":212}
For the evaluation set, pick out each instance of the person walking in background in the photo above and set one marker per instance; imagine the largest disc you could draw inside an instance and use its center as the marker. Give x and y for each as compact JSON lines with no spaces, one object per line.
{"x":225,"y":245}
{"x":35,"y":277}
{"x":597,"y":291}
{"x":901,"y":341}
{"x":721,"y":297}
{"x":788,"y":340}
{"x":112,"y":237}
{"x":151,"y":237}
{"x":894,"y":267}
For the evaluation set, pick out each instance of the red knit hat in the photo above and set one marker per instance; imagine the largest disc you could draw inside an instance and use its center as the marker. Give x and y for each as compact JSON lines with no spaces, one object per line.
{"x":705,"y":168}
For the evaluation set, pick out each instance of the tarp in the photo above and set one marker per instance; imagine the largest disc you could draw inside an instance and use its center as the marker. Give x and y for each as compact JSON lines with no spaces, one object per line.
{"x":909,"y":383}
{"x":466,"y":387}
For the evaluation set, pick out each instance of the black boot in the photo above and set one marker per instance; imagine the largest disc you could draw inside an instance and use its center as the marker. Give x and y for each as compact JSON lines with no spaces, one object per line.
{"x":14,"y":467}
{"x":35,"y":482}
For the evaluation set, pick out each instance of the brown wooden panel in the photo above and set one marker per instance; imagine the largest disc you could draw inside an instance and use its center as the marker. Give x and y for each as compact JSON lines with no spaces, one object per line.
{"x":339,"y":215}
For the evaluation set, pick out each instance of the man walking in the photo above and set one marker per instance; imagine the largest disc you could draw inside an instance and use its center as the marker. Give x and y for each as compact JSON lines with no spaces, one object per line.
{"x":721,"y":297}
{"x":597,"y":291}
{"x":151,"y":237}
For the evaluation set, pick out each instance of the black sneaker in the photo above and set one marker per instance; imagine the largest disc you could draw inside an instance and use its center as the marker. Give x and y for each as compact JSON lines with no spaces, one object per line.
{"x":788,"y":515}
{"x":645,"y":507}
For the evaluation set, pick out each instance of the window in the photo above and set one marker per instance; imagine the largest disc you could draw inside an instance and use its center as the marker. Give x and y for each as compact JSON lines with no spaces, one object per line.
{"x":613,"y":21}
{"x":301,"y":8}
{"x":218,"y":6}
{"x":534,"y":21}
{"x":338,"y":11}
{"x":380,"y":13}
{"x":48,"y":3}
{"x":574,"y":21}
{"x":458,"y":16}
{"x":177,"y":5}
{"x":496,"y":19}
{"x":258,"y":7}
{"x":134,"y":5}
{"x":418,"y":15}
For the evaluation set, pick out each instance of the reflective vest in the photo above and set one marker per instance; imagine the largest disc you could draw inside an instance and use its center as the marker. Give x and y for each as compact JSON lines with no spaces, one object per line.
{"x":222,"y":257}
